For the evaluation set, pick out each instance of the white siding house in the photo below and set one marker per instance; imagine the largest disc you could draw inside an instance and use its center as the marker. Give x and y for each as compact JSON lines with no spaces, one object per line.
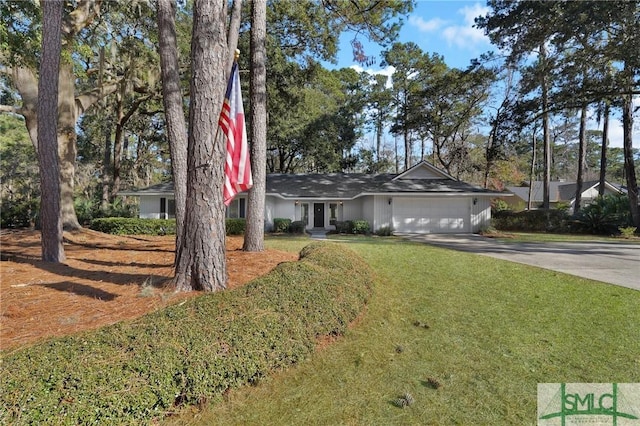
{"x":423,"y":199}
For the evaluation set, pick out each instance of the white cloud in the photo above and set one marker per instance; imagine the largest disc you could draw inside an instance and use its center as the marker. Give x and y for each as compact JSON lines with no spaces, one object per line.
{"x":467,"y":36}
{"x":388,"y":72}
{"x":426,"y":26}
{"x":470,"y":13}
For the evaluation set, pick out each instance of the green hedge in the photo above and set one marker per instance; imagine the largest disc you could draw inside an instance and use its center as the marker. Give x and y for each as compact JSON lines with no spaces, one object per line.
{"x":531,"y":221}
{"x":133,"y":226}
{"x":235,"y":226}
{"x":297,"y":227}
{"x":281,"y":224}
{"x":137,"y":226}
{"x":359,"y":226}
{"x":136,"y":372}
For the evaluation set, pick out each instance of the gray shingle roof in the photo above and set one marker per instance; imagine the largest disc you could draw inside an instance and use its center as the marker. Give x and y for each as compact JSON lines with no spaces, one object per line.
{"x":558,"y":191}
{"x":351,"y":185}
{"x":343,"y":186}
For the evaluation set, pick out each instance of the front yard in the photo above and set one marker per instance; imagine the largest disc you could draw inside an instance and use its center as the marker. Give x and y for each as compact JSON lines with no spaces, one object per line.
{"x":468,"y":337}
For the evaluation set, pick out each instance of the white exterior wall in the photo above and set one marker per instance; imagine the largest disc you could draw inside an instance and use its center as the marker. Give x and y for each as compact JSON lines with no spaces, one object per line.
{"x":150,"y":206}
{"x":367,"y":209}
{"x":591,"y":194}
{"x":382,"y":212}
{"x":480,"y":214}
{"x":352,"y":209}
{"x":278,"y":208}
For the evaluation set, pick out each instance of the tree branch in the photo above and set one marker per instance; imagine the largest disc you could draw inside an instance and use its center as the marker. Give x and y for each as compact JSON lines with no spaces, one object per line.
{"x":85,"y":100}
{"x":9,"y":109}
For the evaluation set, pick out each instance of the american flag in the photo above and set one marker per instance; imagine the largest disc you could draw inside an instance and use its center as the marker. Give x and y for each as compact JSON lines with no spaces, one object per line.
{"x":237,"y":169}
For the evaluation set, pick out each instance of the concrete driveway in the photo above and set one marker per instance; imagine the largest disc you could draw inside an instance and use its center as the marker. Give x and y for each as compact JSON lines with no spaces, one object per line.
{"x":610,"y":262}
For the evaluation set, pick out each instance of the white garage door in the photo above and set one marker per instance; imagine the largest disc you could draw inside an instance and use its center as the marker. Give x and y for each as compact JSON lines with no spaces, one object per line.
{"x":431,"y":215}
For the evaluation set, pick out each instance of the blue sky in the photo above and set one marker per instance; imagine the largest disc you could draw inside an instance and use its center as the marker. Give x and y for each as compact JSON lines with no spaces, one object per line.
{"x":446,"y":27}
{"x":441,"y":26}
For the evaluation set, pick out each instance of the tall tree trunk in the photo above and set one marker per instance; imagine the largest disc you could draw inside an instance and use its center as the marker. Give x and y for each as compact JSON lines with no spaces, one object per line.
{"x":233,"y":34}
{"x":51,"y":221}
{"x":532,"y":170}
{"x":106,"y":168}
{"x":397,"y":158}
{"x":629,"y":166}
{"x":379,"y":129}
{"x":407,"y":149}
{"x":545,"y":130}
{"x":604,"y":148}
{"x":582,"y":158}
{"x":117,"y":140}
{"x":202,"y":263}
{"x":67,"y":146}
{"x":488,"y":157}
{"x":173,"y":110}
{"x":70,"y":106}
{"x":254,"y":235}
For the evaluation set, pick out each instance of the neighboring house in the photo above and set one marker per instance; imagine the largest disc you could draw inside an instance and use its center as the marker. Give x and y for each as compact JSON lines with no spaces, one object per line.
{"x":422,"y":199}
{"x":560,"y":193}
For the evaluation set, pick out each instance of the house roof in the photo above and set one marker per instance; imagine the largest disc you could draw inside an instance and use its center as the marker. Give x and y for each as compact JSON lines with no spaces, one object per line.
{"x":351,"y":185}
{"x":558,"y":190}
{"x":422,"y":179}
{"x":158,"y":189}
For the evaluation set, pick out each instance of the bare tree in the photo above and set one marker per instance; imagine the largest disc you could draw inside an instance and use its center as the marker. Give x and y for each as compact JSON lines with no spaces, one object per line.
{"x":51,"y":220}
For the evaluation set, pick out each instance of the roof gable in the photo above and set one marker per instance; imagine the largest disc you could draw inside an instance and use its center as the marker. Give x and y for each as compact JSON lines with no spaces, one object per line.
{"x":423,"y":170}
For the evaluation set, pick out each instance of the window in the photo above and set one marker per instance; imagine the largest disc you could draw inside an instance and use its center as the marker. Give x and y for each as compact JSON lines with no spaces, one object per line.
{"x":305,"y":213}
{"x":167,"y":208}
{"x":333,"y":210}
{"x":171,"y":208}
{"x":237,"y":208}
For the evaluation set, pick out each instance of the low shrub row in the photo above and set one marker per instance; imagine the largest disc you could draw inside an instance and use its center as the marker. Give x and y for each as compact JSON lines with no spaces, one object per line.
{"x":359,"y":226}
{"x":531,"y":220}
{"x":133,"y":226}
{"x":137,"y":372}
{"x":609,"y":215}
{"x":281,"y":225}
{"x":235,"y":226}
{"x":137,"y":226}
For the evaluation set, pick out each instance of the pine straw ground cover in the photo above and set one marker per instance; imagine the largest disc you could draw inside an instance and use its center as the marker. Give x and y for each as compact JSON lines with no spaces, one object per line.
{"x":105,"y":279}
{"x":136,"y":372}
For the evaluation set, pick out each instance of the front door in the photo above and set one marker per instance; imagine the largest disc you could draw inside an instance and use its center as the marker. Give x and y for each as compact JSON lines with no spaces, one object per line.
{"x":318,"y":215}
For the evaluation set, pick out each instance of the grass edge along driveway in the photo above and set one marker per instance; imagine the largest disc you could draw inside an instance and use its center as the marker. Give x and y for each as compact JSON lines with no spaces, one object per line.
{"x":484,"y":332}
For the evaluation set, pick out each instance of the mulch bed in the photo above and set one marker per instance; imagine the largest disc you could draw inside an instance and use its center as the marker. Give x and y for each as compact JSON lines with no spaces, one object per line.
{"x":105,"y":279}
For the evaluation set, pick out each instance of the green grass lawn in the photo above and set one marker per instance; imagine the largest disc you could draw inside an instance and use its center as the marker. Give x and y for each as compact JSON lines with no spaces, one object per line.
{"x":539,"y":237}
{"x":485,"y":331}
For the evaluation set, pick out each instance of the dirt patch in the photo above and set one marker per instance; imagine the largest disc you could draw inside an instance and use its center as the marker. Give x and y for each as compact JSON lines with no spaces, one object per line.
{"x":105,"y":279}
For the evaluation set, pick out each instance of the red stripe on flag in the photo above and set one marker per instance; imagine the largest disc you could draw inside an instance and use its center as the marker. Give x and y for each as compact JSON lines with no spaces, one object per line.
{"x":237,"y":169}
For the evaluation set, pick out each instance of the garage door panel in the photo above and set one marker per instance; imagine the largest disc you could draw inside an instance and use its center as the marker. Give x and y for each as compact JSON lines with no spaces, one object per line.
{"x":431,"y":215}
